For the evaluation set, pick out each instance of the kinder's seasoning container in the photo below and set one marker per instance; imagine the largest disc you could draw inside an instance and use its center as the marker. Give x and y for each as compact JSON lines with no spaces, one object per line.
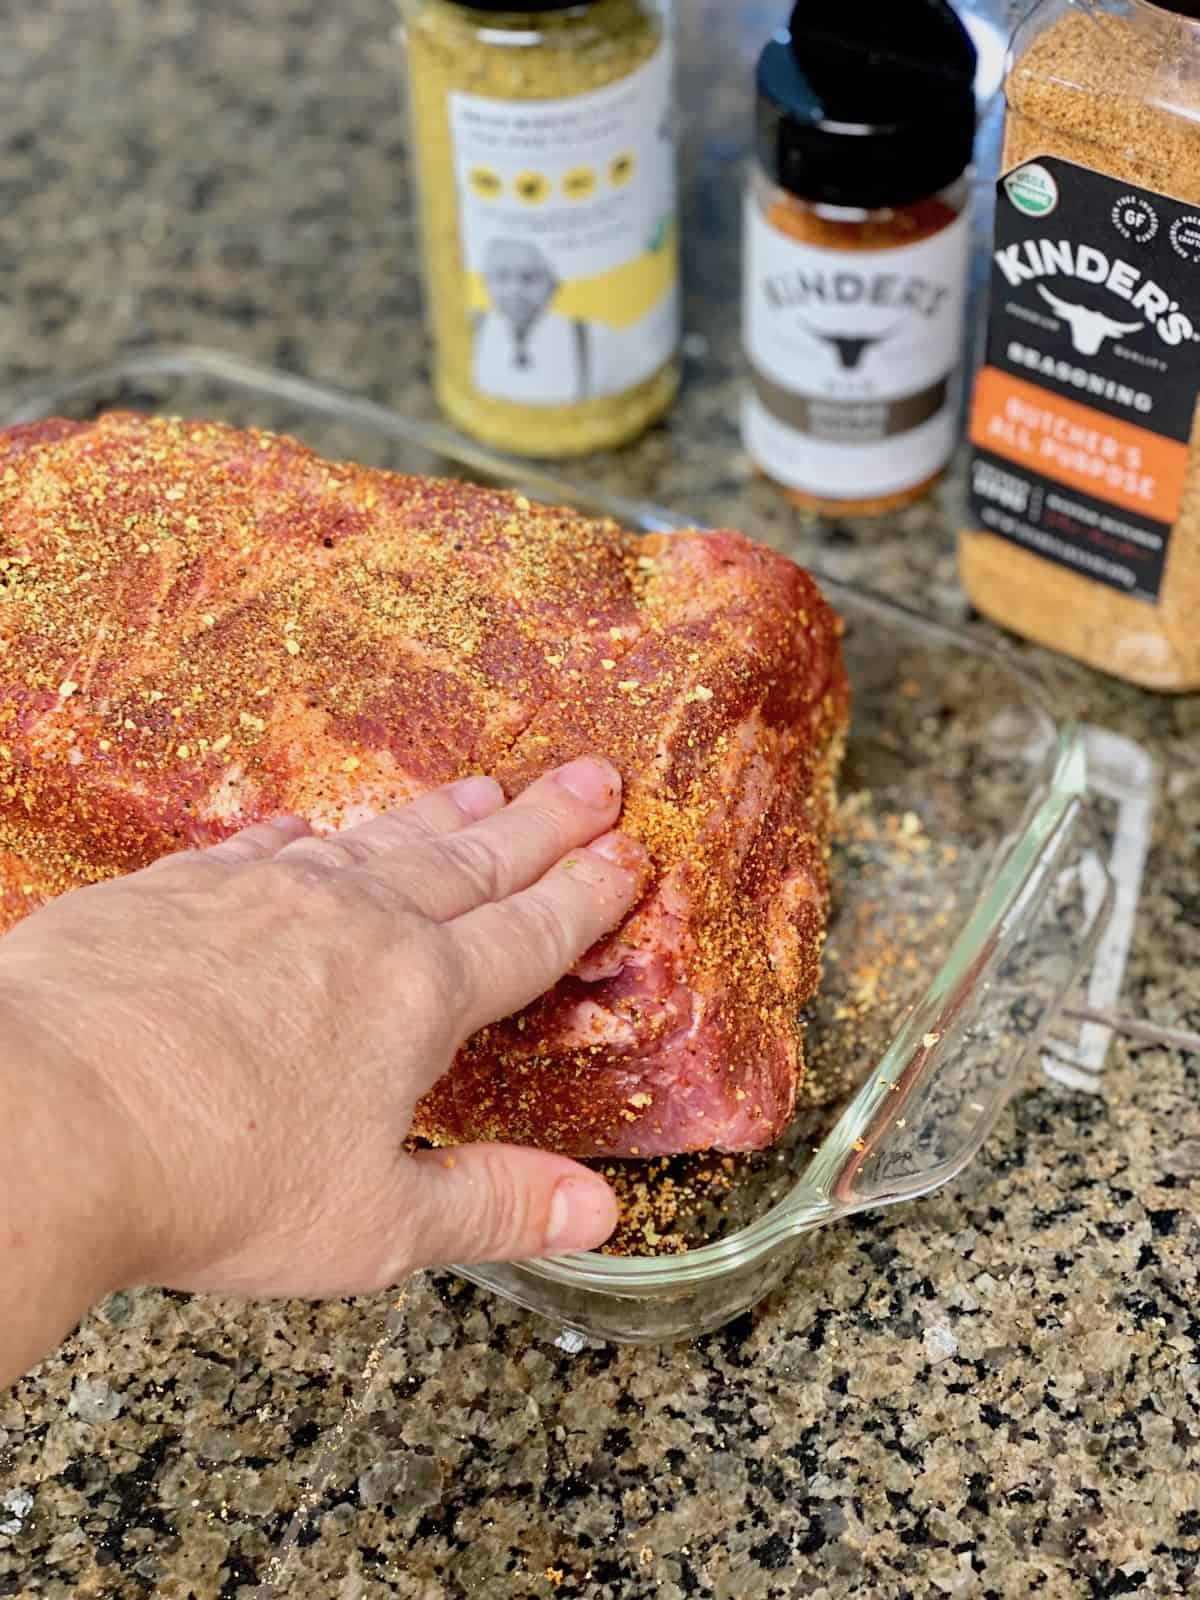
{"x":545,"y":148}
{"x":1084,"y":529}
{"x":856,"y":252}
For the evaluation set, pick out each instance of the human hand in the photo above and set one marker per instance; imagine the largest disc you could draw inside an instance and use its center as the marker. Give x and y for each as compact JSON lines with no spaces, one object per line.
{"x":251,"y":1026}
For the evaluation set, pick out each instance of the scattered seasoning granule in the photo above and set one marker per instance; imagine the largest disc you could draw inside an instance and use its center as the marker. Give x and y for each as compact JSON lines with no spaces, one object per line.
{"x":668,"y":1206}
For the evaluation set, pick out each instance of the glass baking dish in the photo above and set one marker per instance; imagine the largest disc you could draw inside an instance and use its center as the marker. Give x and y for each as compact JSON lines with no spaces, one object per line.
{"x":965,"y":892}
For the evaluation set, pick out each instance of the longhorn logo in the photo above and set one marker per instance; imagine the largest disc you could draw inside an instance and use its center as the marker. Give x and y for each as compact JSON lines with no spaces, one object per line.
{"x":1089,"y":329}
{"x":850,"y":350}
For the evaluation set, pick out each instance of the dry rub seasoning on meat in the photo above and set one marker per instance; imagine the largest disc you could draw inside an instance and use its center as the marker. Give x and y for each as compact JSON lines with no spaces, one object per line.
{"x":856,"y":252}
{"x":202,"y":626}
{"x":544,"y":141}
{"x":1085,"y":484}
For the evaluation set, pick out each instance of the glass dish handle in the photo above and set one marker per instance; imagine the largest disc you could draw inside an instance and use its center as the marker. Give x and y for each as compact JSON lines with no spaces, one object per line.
{"x":965,"y":1051}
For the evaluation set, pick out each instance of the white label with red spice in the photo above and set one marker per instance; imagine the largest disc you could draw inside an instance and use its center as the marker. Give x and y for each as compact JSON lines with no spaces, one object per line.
{"x":854,"y":358}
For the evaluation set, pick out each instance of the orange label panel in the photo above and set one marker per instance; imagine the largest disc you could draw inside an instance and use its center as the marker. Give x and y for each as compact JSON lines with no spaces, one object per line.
{"x":1079,"y":446}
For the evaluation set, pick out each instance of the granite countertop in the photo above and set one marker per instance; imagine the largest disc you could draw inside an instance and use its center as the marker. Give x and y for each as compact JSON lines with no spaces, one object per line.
{"x":992,"y":1393}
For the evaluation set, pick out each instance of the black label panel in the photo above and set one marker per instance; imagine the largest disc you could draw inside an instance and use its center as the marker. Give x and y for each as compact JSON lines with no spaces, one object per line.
{"x":1092,"y":537}
{"x":1085,"y":407}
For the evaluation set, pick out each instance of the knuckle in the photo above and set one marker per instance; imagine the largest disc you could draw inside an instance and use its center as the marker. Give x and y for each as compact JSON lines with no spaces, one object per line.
{"x":389,"y":831}
{"x":180,"y":863}
{"x":479,"y":865}
{"x":304,"y":879}
{"x":430,"y":815}
{"x":548,"y":829}
{"x":504,"y":1222}
{"x":410,"y":826}
{"x":603,"y":879}
{"x":324,"y":855}
{"x":548,"y":931}
{"x":431,"y":985}
{"x":429,"y":977}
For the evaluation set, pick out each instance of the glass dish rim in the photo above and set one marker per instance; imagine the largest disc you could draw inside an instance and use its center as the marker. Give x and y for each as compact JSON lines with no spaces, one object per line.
{"x":807,"y":1204}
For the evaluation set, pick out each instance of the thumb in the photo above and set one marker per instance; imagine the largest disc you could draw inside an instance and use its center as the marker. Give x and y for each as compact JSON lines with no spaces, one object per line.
{"x":498,"y":1202}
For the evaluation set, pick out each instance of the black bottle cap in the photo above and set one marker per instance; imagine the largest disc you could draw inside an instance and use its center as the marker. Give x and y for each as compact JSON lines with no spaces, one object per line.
{"x":867,"y":103}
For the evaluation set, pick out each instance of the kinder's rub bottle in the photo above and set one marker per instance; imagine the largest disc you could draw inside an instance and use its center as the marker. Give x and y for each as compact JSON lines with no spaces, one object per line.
{"x":856,"y":252}
{"x":1084,"y":527}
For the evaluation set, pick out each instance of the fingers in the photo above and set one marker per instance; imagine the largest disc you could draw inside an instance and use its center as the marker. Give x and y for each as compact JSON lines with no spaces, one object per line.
{"x":495,"y":1202}
{"x":515,"y":949}
{"x":512,"y":848}
{"x":428,"y":817}
{"x":259,"y":842}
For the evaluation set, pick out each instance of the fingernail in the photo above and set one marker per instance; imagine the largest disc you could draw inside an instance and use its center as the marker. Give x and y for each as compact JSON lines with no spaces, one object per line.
{"x":595,"y":782}
{"x":478,"y":797}
{"x":583,"y":1212}
{"x":620,"y":849}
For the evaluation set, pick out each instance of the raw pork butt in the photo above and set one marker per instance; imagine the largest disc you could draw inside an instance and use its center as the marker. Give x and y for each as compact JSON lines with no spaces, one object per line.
{"x":200,"y":627}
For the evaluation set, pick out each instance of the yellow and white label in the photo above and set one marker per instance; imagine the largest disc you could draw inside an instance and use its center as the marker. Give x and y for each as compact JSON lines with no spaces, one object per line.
{"x":567,"y":214}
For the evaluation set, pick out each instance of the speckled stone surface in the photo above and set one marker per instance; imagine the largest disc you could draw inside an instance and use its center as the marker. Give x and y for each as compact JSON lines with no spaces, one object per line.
{"x":993,"y":1393}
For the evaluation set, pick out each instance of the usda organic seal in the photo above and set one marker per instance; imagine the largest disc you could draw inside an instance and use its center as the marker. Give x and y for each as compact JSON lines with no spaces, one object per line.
{"x":1032,"y":189}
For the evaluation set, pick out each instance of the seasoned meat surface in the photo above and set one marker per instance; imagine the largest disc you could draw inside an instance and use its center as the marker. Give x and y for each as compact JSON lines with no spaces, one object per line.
{"x":202,"y":626}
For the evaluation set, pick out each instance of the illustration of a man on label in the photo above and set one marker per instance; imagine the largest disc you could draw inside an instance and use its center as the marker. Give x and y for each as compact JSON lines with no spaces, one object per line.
{"x":522,"y":350}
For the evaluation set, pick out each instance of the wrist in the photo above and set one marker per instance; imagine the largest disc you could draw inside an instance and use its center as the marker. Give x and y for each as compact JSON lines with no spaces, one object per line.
{"x":76,"y":1180}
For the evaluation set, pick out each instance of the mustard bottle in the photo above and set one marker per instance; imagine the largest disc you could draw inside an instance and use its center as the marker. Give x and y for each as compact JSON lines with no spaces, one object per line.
{"x":544,"y":144}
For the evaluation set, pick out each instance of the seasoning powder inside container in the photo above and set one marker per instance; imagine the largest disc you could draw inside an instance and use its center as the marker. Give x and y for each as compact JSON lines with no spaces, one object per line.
{"x":1085,"y":481}
{"x":856,"y":252}
{"x":545,"y":146}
